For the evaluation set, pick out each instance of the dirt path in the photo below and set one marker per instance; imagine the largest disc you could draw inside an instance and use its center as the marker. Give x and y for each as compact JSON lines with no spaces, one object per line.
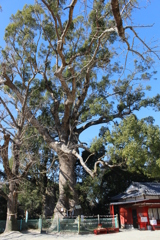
{"x":123,"y":235}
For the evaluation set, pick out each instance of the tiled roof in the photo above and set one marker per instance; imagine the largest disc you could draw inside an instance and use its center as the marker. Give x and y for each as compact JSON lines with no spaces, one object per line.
{"x":137,"y":189}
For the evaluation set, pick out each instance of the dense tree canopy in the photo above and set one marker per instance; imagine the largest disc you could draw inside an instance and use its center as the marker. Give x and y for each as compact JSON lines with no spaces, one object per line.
{"x":133,"y":143}
{"x":62,"y":63}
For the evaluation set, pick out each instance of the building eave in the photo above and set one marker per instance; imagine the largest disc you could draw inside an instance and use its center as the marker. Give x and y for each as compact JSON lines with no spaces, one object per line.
{"x":129,"y":202}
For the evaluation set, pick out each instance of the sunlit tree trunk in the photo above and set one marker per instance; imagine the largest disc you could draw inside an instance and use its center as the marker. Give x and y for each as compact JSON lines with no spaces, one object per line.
{"x":68,"y":197}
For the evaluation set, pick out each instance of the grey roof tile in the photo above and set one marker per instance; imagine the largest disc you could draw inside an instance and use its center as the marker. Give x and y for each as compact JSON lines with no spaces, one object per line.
{"x":137,"y":189}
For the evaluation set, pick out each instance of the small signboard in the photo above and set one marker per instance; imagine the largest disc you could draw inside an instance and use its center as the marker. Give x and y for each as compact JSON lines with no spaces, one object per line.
{"x":144,"y":219}
{"x":82,"y":218}
{"x":77,"y":206}
{"x":153,"y":222}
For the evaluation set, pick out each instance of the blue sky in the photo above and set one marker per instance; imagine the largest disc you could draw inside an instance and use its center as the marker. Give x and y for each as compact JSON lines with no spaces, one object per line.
{"x":145,"y":16}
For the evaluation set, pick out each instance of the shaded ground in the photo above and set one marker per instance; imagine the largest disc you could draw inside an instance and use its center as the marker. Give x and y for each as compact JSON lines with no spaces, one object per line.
{"x":123,"y":235}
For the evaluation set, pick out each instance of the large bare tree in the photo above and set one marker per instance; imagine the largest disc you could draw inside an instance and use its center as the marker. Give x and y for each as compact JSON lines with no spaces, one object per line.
{"x":15,"y":154}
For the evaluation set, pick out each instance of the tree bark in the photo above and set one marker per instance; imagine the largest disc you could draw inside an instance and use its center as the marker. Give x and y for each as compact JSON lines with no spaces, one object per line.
{"x":44,"y":193}
{"x":68,"y":197}
{"x":11,"y":221}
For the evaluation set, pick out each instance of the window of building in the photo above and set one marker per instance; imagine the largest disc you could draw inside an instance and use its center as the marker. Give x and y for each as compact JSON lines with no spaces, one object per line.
{"x":154,"y":213}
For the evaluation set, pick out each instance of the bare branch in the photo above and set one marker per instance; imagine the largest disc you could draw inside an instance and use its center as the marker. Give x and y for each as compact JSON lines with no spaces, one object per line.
{"x":89,"y":157}
{"x":91,"y":173}
{"x":125,"y":6}
{"x":104,"y":120}
{"x":105,"y":164}
{"x":24,"y":174}
{"x":150,"y":50}
{"x":9,"y":112}
{"x":121,"y":29}
{"x":117,"y":17}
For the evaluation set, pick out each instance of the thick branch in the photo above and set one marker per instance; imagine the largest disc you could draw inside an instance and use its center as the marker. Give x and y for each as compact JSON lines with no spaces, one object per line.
{"x":105,"y":164}
{"x":82,"y":163}
{"x":58,"y":74}
{"x":82,"y":97}
{"x":24,"y":174}
{"x":29,"y":115}
{"x":117,"y":17}
{"x":71,"y":8}
{"x":70,"y":99}
{"x":55,"y":115}
{"x":25,"y":100}
{"x":4,"y":156}
{"x":104,"y":120}
{"x":54,"y":17}
{"x":121,"y":29}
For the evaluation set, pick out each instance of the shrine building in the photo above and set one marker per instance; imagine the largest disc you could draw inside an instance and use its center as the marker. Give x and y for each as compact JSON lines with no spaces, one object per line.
{"x":139,"y":206}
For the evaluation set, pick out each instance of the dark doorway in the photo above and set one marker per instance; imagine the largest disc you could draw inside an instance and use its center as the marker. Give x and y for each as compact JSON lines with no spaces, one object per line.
{"x":134,"y":215}
{"x":116,"y":211}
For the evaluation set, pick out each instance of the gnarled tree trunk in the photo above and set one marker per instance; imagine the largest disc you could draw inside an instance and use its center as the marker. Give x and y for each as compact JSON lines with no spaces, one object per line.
{"x":11,"y":221}
{"x":68,"y":197}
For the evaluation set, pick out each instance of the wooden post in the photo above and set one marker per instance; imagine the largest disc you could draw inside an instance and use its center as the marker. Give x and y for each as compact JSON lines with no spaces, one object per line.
{"x":40,"y":224}
{"x":79,"y":220}
{"x":26,"y":216}
{"x":20,"y":227}
{"x":117,"y":221}
{"x":58,"y":224}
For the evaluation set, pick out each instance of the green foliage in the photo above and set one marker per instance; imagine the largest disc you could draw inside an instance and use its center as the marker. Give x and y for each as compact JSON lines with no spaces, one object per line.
{"x":95,"y":193}
{"x":36,"y":192}
{"x":97,"y":143}
{"x":135,"y":143}
{"x":68,"y":78}
{"x":32,"y":35}
{"x":41,"y":186}
{"x":30,"y":199}
{"x":91,"y":195}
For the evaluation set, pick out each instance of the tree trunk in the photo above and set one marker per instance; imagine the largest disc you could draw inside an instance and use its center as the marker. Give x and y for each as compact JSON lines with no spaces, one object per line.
{"x":68,"y":197}
{"x":44,"y":197}
{"x":44,"y":183}
{"x":11,"y":221}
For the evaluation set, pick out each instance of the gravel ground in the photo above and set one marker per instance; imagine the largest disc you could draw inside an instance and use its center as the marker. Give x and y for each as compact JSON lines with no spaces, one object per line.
{"x":122,"y":235}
